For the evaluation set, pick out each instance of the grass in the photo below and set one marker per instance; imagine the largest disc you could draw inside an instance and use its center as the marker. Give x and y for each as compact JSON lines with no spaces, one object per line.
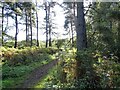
{"x":18,"y":73}
{"x":14,"y":74}
{"x":43,"y":82}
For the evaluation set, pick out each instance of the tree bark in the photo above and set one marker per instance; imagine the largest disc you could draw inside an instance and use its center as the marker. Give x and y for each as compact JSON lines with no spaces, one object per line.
{"x":81,"y":28}
{"x":16,"y":22}
{"x":50,"y":25}
{"x":50,"y":42}
{"x":81,"y":36}
{"x":46,"y":9}
{"x":72,"y":34}
{"x":31,"y":27}
{"x":37,"y":24}
{"x":2,"y":23}
{"x":26,"y":27}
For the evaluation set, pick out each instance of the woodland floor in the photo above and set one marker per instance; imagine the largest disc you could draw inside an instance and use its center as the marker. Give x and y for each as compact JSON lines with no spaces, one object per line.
{"x":36,"y":75}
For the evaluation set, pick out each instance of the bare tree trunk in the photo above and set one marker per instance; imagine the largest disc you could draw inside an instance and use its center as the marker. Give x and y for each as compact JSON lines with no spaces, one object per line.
{"x":26,"y":27}
{"x":73,"y":22}
{"x":37,"y":24}
{"x":28,"y":34}
{"x":81,"y":35}
{"x":81,"y":28}
{"x":72,"y":34}
{"x":31,"y":26}
{"x":46,"y":9}
{"x":2,"y":23}
{"x":74,"y":8}
{"x":50,"y":42}
{"x":50,"y":25}
{"x":16,"y":22}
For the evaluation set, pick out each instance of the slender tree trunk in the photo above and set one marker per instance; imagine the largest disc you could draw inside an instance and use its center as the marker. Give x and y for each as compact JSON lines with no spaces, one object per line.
{"x":81,"y":36}
{"x":31,"y":26}
{"x":2,"y":23}
{"x":37,"y":31}
{"x":16,"y":22}
{"x":46,"y":9}
{"x":73,"y":29}
{"x":28,"y":34}
{"x":37,"y":24}
{"x":72,"y":34}
{"x":50,"y":42}
{"x":26,"y":27}
{"x":74,"y":9}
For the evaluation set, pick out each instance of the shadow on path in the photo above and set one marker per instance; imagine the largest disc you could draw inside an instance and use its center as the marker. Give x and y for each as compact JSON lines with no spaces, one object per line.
{"x":37,"y":74}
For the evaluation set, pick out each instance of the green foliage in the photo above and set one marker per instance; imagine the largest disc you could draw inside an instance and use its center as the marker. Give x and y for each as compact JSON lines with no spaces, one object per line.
{"x":25,"y":56}
{"x":86,"y":70}
{"x":59,"y":43}
{"x":12,"y":74}
{"x":100,"y":69}
{"x":45,"y":82}
{"x":18,"y":63}
{"x":62,"y":76}
{"x":98,"y":65}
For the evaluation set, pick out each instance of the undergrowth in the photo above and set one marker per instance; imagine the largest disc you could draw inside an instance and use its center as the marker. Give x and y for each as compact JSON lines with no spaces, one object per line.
{"x":18,"y":63}
{"x":101,"y":70}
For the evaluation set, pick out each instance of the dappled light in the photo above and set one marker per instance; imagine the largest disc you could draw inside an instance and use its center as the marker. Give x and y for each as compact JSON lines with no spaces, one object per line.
{"x":60,"y":45}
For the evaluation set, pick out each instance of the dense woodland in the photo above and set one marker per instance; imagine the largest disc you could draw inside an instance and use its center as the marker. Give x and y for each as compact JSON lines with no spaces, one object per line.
{"x":89,"y":58}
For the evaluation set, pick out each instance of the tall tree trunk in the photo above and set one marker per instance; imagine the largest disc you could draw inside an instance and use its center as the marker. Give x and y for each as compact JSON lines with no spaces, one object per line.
{"x":16,"y":22}
{"x":37,"y":24}
{"x":2,"y":23}
{"x":81,"y":69}
{"x":81,"y":28}
{"x":72,"y":34}
{"x":46,"y":9}
{"x":50,"y":25}
{"x":28,"y":34}
{"x":26,"y":27}
{"x":74,"y":9}
{"x":81,"y":35}
{"x":50,"y":42}
{"x":73,"y":22}
{"x":31,"y":27}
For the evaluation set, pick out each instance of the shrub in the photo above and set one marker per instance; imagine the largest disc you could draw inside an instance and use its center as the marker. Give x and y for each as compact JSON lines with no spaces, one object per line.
{"x":27,"y":55}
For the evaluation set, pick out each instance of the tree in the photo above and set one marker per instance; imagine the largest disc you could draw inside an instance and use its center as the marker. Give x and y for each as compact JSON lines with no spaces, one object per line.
{"x":4,"y":24}
{"x":49,"y":24}
{"x":2,"y":21}
{"x":81,"y":34}
{"x":46,"y":11}
{"x":13,"y":7}
{"x":37,"y":24}
{"x":50,"y":21}
{"x":104,"y":23}
{"x":26,"y":25}
{"x":16,"y":22}
{"x":70,"y":20}
{"x":30,"y":13}
{"x":81,"y":28}
{"x":28,"y":16}
{"x":115,"y":15}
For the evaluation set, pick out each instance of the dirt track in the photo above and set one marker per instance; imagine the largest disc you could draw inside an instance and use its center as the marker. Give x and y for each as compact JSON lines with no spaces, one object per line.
{"x":37,"y":74}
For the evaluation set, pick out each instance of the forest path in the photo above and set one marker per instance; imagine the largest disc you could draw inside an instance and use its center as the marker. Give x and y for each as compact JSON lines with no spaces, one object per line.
{"x":37,"y":75}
